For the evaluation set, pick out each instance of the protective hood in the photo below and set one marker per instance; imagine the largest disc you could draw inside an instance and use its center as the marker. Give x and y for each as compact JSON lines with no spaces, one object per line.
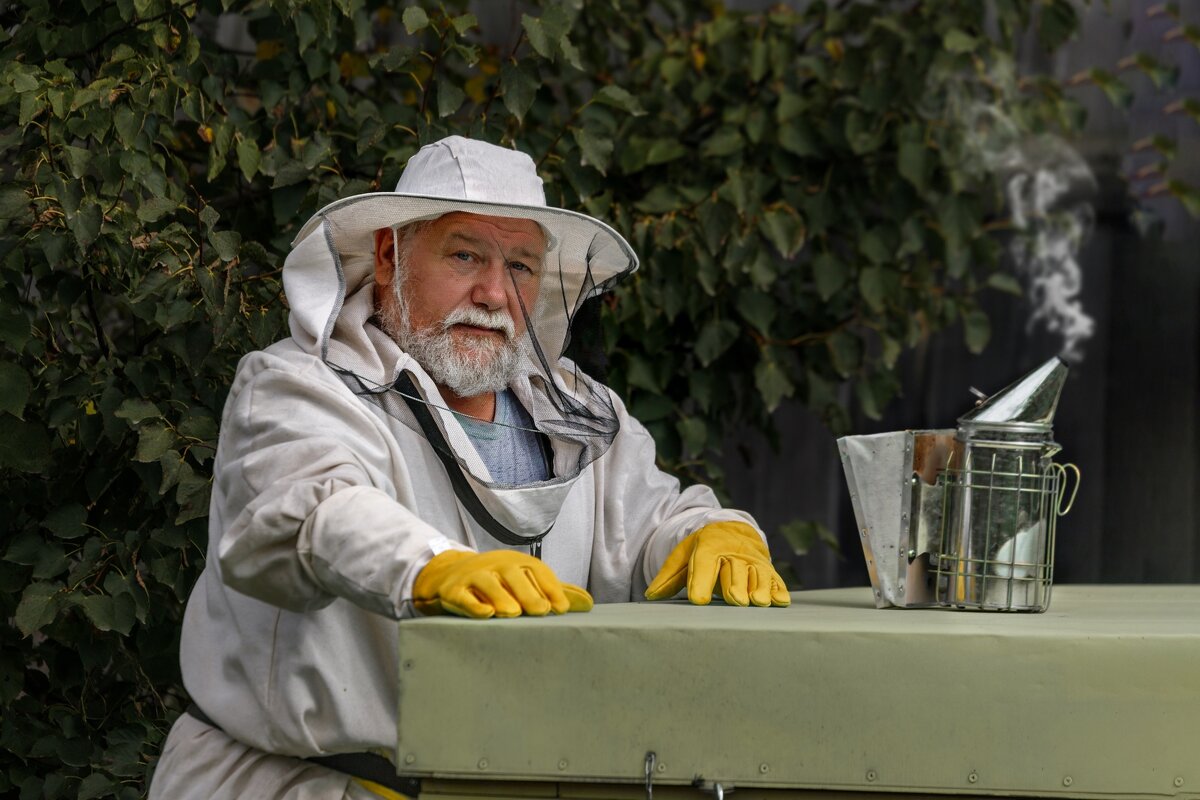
{"x":329,"y":282}
{"x":584,"y":256}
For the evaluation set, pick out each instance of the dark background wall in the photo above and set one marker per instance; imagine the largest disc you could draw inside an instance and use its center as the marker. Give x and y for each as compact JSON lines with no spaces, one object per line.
{"x":1128,"y":415}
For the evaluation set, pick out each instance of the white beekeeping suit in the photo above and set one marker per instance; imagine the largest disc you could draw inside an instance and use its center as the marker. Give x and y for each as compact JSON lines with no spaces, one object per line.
{"x":329,"y":497}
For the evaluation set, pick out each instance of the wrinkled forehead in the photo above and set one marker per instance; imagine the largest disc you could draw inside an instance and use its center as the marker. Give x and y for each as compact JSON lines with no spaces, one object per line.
{"x":512,"y":236}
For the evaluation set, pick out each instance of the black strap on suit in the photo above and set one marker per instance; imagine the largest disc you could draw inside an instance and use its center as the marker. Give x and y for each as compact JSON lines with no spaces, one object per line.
{"x":367,"y":766}
{"x":462,"y":489}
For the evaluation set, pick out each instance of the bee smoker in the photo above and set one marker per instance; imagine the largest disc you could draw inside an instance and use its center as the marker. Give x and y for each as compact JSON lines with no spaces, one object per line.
{"x":965,"y":518}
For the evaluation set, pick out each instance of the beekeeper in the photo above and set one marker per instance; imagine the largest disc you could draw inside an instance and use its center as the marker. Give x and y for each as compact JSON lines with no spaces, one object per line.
{"x":419,"y":445}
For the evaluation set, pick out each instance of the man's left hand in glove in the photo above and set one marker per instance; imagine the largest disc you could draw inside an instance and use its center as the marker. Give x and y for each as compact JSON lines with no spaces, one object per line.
{"x":731,"y":552}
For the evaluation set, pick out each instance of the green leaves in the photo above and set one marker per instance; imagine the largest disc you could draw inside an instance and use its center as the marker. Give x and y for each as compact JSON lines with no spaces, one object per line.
{"x":874,"y":391}
{"x":722,"y":143}
{"x":153,"y":441}
{"x":693,"y":433}
{"x":109,"y":613}
{"x":415,"y":19}
{"x":449,"y":98}
{"x":1189,"y":196}
{"x":97,"y":784}
{"x":914,"y":159}
{"x":801,"y":535}
{"x":542,"y":37}
{"x":829,"y":274}
{"x":617,"y":97}
{"x":772,"y":382}
{"x":78,"y":159}
{"x":715,"y":338}
{"x":153,"y":209}
{"x":249,"y":157}
{"x":958,"y":221}
{"x":956,"y":40}
{"x":14,"y":203}
{"x":871,"y":286}
{"x":977,"y":330}
{"x":862,"y":135}
{"x":1005,"y":282}
{"x":66,"y":521}
{"x":136,"y":409}
{"x":85,"y":223}
{"x":845,"y":352}
{"x":38,"y":607}
{"x":520,"y":89}
{"x":1057,"y":22}
{"x":1116,"y":90}
{"x":595,"y":148}
{"x":757,"y":308}
{"x":548,"y":34}
{"x":15,"y":386}
{"x":226,"y":243}
{"x":783,"y":227}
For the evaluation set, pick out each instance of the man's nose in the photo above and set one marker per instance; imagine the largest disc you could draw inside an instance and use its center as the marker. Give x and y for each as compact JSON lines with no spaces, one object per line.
{"x":491,"y":286}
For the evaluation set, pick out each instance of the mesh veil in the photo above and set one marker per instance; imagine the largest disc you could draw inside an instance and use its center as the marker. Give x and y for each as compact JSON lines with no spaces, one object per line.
{"x":572,"y":410}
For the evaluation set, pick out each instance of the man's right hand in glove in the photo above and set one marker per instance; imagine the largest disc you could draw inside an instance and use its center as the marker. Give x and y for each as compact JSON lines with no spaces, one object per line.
{"x":500,"y":583}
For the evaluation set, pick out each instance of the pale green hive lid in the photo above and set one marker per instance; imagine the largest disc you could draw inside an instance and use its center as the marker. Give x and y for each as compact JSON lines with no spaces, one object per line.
{"x":1098,"y":697}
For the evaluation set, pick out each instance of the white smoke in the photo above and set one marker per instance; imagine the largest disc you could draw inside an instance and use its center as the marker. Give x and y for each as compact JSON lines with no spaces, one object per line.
{"x":1048,"y":198}
{"x":1048,"y":186}
{"x":1046,"y":249}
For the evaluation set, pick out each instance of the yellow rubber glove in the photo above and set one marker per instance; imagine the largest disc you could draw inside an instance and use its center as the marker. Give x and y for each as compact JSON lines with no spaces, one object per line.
{"x":501,"y":583}
{"x":730,"y":551}
{"x":382,"y":791}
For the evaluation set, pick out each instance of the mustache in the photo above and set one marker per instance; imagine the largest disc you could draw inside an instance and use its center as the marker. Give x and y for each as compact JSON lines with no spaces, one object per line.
{"x":492,"y":320}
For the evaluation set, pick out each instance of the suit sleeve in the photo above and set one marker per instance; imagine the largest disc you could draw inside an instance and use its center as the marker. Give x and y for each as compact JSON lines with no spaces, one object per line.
{"x":645,"y":513}
{"x":304,"y":499}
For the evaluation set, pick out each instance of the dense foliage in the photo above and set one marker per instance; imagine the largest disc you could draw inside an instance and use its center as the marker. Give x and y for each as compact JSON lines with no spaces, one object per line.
{"x":806,"y":189}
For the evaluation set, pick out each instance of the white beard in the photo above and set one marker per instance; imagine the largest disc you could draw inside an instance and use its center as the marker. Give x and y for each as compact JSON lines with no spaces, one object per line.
{"x":478,"y":365}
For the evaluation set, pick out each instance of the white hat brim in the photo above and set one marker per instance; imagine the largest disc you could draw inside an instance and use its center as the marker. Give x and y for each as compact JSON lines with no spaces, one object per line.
{"x":589,"y":255}
{"x":361,"y":215}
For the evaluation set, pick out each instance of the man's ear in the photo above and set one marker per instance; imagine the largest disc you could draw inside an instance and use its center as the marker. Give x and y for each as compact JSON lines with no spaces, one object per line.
{"x":384,"y":263}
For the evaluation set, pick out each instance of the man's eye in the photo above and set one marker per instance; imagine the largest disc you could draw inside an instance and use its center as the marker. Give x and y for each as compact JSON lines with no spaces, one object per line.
{"x":519,"y":266}
{"x":462,"y":255}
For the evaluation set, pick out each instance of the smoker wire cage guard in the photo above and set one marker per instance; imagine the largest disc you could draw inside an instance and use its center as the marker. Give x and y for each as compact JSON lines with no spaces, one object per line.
{"x":996,"y":547}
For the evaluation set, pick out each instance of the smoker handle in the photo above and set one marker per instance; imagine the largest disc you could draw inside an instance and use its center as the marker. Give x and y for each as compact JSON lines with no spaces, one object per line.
{"x":1062,"y":470}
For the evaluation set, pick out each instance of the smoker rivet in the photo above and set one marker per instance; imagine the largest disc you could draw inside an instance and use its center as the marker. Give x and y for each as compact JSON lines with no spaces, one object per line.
{"x":408,"y":664}
{"x":1067,"y":781}
{"x":1179,"y":782}
{"x":483,"y":763}
{"x":864,"y":532}
{"x":765,"y":768}
{"x":972,"y":778}
{"x":912,"y":553}
{"x":871,"y":775}
{"x":410,"y":758}
{"x":662,"y":767}
{"x":562,"y":764}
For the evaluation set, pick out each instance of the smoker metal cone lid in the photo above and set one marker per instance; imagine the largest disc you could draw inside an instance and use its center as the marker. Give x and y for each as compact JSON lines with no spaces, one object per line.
{"x":1030,"y":401}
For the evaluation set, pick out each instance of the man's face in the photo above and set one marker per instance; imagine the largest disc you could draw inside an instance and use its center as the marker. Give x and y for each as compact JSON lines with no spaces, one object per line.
{"x":456,"y":303}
